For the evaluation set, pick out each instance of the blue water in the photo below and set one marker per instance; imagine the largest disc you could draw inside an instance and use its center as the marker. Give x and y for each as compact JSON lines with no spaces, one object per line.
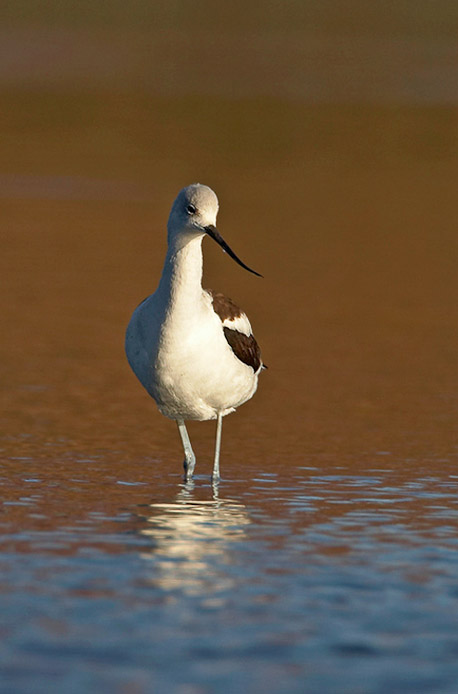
{"x":313,"y":582}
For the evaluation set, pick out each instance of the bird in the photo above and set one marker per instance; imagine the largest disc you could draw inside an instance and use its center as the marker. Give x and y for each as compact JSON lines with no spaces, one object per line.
{"x":193,"y":349}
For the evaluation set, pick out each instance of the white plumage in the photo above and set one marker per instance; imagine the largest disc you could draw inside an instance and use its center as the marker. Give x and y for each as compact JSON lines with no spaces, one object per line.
{"x":192,"y":349}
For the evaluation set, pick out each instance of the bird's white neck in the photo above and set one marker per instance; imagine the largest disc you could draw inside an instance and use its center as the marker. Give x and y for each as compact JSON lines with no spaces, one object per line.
{"x":180,"y":285}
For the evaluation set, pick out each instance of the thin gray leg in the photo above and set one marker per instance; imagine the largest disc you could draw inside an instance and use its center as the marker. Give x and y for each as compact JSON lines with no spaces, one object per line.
{"x":189,"y":457}
{"x":219,"y":428}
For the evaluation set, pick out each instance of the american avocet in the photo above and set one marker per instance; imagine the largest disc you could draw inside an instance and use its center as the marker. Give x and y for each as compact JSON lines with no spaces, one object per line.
{"x":191,"y":348}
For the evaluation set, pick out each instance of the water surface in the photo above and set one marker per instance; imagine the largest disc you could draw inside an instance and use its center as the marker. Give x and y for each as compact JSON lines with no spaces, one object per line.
{"x":326,"y":560}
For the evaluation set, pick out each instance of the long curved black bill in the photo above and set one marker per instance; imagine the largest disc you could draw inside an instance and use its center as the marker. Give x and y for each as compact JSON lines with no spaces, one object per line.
{"x":214,"y":234}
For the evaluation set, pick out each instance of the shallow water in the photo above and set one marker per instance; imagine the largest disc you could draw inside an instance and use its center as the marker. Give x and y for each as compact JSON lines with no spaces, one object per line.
{"x":314,"y":580}
{"x":326,"y":559}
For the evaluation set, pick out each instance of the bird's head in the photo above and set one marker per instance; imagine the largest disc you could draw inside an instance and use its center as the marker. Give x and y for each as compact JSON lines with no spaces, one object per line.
{"x":194,"y":214}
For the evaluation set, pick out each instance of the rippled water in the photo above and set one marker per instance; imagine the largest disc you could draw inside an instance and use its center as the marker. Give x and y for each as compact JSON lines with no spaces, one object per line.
{"x":306,"y":581}
{"x":326,"y":560}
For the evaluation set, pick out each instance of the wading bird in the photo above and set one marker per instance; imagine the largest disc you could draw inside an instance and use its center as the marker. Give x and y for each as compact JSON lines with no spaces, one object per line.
{"x":192,"y":348}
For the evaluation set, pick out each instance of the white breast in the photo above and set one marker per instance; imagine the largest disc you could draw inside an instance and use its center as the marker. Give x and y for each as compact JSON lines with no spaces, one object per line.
{"x":184,"y":361}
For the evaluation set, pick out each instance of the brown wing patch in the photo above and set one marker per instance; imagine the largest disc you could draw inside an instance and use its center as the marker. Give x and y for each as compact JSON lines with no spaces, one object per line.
{"x":224,"y":307}
{"x":245,"y":348}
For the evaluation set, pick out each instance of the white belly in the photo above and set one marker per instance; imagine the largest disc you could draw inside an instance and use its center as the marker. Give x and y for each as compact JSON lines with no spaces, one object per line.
{"x":187,"y":365}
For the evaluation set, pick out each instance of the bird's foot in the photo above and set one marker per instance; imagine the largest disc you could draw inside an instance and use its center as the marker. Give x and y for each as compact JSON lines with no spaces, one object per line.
{"x":215,"y":474}
{"x":189,"y":465}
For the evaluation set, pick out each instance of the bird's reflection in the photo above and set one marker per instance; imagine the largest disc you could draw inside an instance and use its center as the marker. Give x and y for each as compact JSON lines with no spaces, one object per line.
{"x":190,"y":541}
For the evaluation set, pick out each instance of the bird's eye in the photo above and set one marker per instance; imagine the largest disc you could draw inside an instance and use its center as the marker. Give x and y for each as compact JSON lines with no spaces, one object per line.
{"x":190,"y":209}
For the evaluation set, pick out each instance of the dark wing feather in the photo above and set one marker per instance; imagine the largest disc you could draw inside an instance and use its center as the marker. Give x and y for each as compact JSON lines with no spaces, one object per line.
{"x":224,"y":307}
{"x":245,"y":348}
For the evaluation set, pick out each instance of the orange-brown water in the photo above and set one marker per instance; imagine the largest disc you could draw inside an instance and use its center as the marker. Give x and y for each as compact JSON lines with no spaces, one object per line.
{"x":332,"y":144}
